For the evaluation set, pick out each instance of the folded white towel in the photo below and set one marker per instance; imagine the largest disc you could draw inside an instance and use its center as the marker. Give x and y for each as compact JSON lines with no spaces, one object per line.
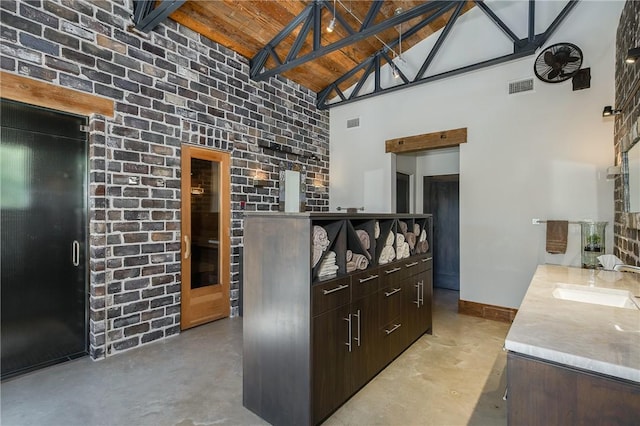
{"x":376,"y":230}
{"x":609,"y":261}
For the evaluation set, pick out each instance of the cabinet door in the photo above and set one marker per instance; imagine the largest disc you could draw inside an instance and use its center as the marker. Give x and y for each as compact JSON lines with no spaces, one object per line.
{"x":412,"y":307}
{"x":366,"y":359}
{"x":426,"y":307}
{"x":332,"y":347}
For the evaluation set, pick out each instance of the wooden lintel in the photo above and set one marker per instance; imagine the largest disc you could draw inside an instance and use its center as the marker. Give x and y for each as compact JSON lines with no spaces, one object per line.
{"x":426,"y":141}
{"x":47,"y":95}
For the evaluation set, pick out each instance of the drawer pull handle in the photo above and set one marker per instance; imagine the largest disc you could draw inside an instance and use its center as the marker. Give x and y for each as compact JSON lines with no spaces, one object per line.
{"x":390,"y":293}
{"x":409,"y":265}
{"x":333,"y":290}
{"x":369,"y":278}
{"x":394,"y":328}
{"x":427,"y":259}
{"x":348,"y":342}
{"x":357,"y":339}
{"x":391,"y":271}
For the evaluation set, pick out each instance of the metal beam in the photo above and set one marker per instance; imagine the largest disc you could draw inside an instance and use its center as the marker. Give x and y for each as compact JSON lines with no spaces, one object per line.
{"x":496,"y":20}
{"x":522,"y":48}
{"x":146,"y":17}
{"x":443,"y":35}
{"x":357,"y":36}
{"x":371,"y":14}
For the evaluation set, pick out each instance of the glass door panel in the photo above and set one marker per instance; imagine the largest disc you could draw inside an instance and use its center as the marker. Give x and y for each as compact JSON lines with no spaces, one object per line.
{"x":43,"y":233}
{"x":205,"y":223}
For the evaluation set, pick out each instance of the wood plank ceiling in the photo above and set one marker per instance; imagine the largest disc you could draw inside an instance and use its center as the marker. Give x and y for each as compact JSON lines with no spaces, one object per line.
{"x":248,"y":26}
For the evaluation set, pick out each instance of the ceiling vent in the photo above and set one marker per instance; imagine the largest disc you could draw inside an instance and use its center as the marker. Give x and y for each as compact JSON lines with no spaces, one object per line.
{"x":353,"y":122}
{"x":521,"y":86}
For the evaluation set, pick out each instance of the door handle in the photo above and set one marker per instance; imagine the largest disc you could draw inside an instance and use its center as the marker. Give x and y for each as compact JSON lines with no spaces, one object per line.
{"x":394,"y":328}
{"x":348,"y":320}
{"x":187,"y":247}
{"x":390,"y":293}
{"x":75,"y":253}
{"x":357,"y":339}
{"x":417,"y":301}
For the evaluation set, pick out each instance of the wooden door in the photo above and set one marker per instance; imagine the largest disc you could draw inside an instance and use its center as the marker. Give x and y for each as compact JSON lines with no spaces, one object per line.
{"x":205,"y":236}
{"x":441,"y":198}
{"x":365,"y":356}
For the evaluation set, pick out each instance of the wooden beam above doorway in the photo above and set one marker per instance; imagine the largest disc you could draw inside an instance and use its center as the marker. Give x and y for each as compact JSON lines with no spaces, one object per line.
{"x":47,"y":95}
{"x":444,"y":139}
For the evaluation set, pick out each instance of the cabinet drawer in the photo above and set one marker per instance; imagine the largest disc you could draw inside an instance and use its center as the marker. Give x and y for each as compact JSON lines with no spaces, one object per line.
{"x":426,"y":263}
{"x":391,"y":274}
{"x":410,"y":266}
{"x":330,"y":294}
{"x":364,"y":283}
{"x":390,"y":303}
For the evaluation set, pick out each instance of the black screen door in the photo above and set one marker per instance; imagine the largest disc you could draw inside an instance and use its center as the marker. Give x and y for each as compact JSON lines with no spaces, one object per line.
{"x":403,"y":198}
{"x":43,"y":219}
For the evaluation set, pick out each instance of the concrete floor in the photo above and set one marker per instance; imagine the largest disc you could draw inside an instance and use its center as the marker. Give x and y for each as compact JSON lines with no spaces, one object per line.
{"x":454,"y":377}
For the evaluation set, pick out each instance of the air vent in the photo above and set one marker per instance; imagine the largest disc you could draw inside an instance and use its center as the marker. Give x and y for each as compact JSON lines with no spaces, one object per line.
{"x":353,"y":122}
{"x":520,"y":86}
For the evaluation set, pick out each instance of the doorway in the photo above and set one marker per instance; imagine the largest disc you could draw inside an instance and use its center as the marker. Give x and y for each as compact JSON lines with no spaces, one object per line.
{"x":43,"y":199}
{"x":205,"y":236}
{"x":441,"y":198}
{"x":403,"y":193}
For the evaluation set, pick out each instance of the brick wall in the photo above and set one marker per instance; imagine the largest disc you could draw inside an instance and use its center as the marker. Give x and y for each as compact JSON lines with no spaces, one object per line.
{"x":627,"y":98}
{"x":169,"y":88}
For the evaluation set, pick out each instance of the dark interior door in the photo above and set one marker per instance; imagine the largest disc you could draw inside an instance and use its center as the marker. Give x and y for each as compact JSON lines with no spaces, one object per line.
{"x":441,"y":198}
{"x":43,"y":236}
{"x":403,"y":197}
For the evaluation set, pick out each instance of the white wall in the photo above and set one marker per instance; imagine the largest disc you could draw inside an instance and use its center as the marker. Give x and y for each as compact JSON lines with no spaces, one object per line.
{"x":540,"y":154}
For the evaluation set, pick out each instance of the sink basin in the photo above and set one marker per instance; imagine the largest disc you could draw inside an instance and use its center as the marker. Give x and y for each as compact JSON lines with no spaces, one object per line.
{"x":595,"y":295}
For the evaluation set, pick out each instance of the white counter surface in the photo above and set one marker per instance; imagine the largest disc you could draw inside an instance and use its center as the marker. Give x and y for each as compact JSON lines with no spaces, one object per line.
{"x":588,"y":336}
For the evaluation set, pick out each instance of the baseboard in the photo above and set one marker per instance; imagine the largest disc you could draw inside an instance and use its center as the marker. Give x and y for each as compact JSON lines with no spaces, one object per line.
{"x":497,"y":313}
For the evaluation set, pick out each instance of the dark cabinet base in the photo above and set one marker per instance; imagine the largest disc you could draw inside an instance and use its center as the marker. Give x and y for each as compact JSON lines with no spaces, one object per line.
{"x":542,"y":393}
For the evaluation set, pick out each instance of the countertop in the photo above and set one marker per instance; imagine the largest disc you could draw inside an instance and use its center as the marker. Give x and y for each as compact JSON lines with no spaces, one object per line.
{"x":591,"y":337}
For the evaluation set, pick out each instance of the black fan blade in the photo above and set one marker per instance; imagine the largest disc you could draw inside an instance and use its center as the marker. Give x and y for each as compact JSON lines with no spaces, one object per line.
{"x":573,"y":59}
{"x":553,"y":74}
{"x":550,"y":59}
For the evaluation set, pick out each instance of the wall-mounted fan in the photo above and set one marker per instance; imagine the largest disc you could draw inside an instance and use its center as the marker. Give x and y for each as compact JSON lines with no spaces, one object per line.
{"x":558,"y":62}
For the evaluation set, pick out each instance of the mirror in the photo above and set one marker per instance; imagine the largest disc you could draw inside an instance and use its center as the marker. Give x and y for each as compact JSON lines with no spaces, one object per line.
{"x":631,"y":177}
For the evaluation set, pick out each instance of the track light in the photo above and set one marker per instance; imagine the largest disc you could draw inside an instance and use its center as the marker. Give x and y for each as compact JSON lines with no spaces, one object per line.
{"x":608,"y":111}
{"x":632,"y":55}
{"x":394,"y":71}
{"x":332,"y":25}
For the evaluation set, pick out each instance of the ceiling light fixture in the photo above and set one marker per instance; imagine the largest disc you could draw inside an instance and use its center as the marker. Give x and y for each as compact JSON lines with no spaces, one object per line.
{"x":332,"y":23}
{"x":632,"y":55}
{"x":394,"y":70}
{"x":608,"y":111}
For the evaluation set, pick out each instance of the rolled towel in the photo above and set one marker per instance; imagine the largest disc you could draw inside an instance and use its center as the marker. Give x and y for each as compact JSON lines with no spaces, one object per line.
{"x":416,"y":229}
{"x":423,"y":235}
{"x":423,"y":246}
{"x":399,"y":239}
{"x":364,"y":238}
{"x":406,"y":252}
{"x":349,"y":255}
{"x":390,"y":239}
{"x":351,"y":266}
{"x":360,"y":261}
{"x":376,"y":230}
{"x":410,"y":238}
{"x":387,"y":255}
{"x":403,"y":226}
{"x":320,"y":238}
{"x":317,"y":254}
